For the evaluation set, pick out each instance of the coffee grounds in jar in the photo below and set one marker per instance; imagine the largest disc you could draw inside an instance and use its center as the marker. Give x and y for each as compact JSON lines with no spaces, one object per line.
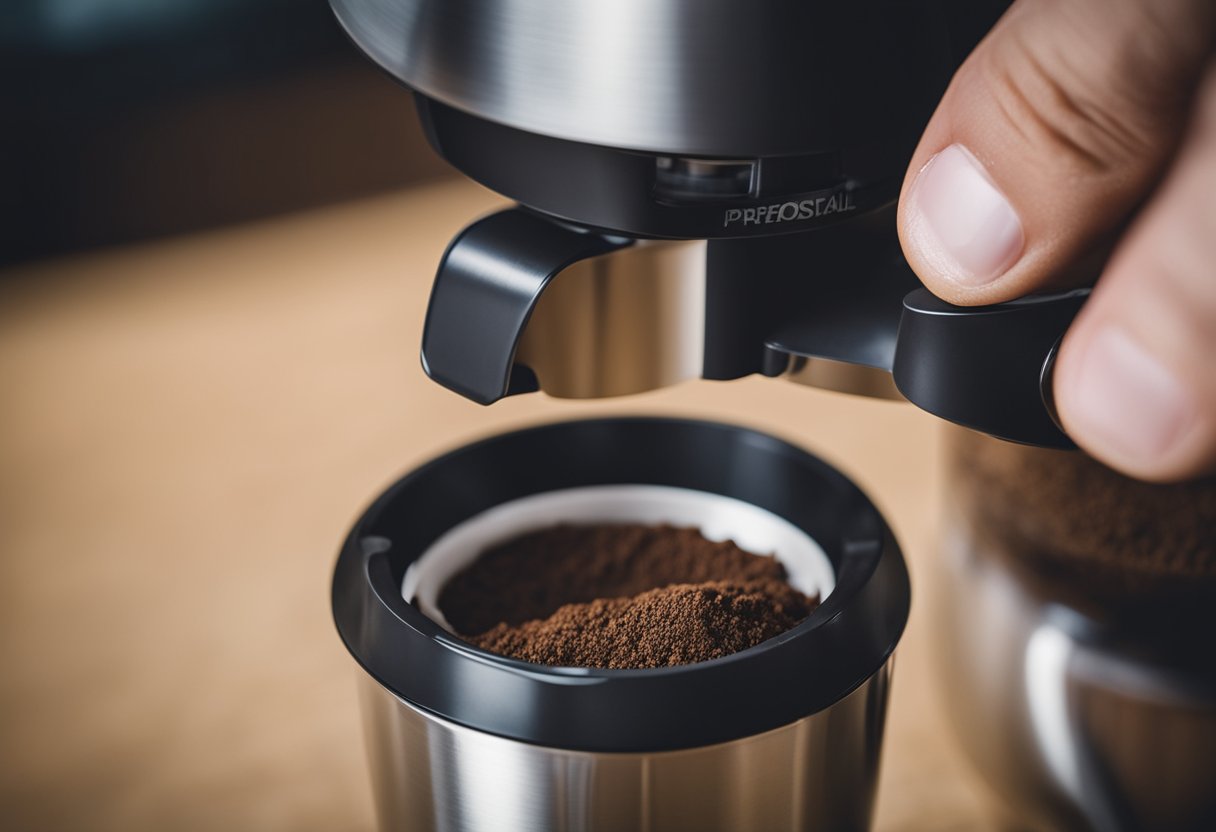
{"x":1093,"y":537}
{"x":621,"y":596}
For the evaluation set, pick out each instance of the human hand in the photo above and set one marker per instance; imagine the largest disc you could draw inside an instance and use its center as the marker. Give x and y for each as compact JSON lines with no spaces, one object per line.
{"x":1077,"y":124}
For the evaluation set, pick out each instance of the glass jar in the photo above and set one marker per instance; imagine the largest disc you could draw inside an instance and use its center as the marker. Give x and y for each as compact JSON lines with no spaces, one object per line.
{"x":1075,"y":619}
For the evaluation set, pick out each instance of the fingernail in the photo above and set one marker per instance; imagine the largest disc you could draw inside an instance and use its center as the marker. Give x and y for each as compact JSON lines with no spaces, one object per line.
{"x":959,"y":221}
{"x":1125,"y":403}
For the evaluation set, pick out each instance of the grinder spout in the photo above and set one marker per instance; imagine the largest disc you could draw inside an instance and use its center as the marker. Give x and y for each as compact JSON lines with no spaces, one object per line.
{"x":521,"y":303}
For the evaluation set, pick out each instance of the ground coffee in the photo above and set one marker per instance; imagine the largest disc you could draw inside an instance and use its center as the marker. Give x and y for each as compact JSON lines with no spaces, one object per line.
{"x":621,"y":596}
{"x":1089,"y":534}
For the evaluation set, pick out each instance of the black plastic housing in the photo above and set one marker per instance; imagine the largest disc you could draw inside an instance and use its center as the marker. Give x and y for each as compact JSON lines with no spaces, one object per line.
{"x":632,"y":192}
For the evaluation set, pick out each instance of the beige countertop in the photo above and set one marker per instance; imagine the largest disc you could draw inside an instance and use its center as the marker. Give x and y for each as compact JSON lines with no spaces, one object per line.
{"x":187,"y":429}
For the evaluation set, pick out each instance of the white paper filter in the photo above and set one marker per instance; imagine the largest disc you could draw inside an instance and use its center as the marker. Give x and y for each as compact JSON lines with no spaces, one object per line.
{"x":719,"y":518}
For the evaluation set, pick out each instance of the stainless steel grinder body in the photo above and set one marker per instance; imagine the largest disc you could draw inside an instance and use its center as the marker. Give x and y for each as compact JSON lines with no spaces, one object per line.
{"x":783,"y":736}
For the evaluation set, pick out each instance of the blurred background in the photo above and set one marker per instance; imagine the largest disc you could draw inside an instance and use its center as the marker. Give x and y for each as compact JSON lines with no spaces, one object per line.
{"x":129,"y":119}
{"x":218,"y":226}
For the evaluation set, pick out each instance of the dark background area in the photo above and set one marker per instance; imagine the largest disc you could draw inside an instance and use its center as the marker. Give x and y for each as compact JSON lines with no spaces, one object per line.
{"x":122,"y":120}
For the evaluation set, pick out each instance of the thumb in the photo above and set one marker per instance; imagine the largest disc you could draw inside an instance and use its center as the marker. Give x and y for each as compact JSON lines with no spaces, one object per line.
{"x":1050,"y":134}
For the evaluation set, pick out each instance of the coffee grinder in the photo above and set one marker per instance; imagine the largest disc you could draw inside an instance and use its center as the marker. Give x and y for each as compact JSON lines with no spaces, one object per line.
{"x":705,"y":189}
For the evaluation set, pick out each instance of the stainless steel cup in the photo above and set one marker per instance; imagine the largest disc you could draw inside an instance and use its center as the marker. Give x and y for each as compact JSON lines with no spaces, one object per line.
{"x":783,"y":736}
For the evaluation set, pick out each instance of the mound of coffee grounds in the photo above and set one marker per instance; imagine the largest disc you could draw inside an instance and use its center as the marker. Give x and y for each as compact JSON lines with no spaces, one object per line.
{"x":530,"y":576}
{"x":621,"y":596}
{"x":678,"y":624}
{"x":1085,"y":530}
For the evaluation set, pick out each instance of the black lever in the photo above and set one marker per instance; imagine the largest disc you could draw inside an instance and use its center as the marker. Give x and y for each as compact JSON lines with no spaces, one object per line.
{"x":485,"y":289}
{"x":986,"y":367}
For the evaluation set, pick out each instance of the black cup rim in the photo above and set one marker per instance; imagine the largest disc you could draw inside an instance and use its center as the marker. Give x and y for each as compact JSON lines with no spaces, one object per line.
{"x":841,"y":644}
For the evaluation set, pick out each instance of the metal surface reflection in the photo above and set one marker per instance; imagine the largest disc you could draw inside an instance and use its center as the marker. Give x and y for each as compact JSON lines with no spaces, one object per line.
{"x":624,"y":322}
{"x":700,"y":77}
{"x":1074,"y":726}
{"x":431,"y":775}
{"x":842,"y":377}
